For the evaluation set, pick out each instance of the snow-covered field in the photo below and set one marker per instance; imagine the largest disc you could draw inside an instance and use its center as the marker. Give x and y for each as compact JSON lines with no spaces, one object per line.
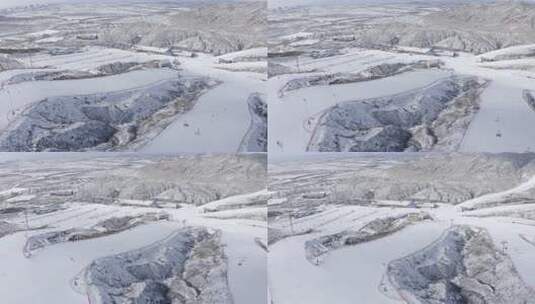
{"x":58,"y":203}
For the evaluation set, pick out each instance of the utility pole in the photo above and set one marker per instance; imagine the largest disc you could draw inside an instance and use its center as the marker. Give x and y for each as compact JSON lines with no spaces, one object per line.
{"x":291,"y":222}
{"x":30,"y":57}
{"x":27,"y":224}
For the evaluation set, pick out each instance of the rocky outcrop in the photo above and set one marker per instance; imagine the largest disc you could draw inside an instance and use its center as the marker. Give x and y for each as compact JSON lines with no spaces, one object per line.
{"x":317,"y":249}
{"x":106,"y":227}
{"x":189,"y":267}
{"x":123,"y":67}
{"x":318,"y":54}
{"x":101,"y":71}
{"x":529,"y":97}
{"x":371,"y":73}
{"x":50,"y":76}
{"x":431,"y":118}
{"x":463,"y":266}
{"x":255,"y":140}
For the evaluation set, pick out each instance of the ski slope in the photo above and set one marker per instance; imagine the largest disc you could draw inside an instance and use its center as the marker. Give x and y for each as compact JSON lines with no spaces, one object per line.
{"x":220,"y":117}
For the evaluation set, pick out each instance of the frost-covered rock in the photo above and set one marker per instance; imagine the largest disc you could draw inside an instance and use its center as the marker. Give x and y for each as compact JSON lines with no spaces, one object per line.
{"x":255,"y":140}
{"x":463,"y":266}
{"x":189,"y":267}
{"x":371,"y":73}
{"x":50,"y":76}
{"x":431,"y":118}
{"x":106,"y":227}
{"x":529,"y":97}
{"x":101,"y":71}
{"x":123,"y":67}
{"x":318,"y":54}
{"x":316,"y":249}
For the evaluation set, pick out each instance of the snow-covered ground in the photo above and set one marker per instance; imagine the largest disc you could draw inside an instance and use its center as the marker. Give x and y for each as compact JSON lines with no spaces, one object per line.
{"x":503,"y":123}
{"x":220,"y":118}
